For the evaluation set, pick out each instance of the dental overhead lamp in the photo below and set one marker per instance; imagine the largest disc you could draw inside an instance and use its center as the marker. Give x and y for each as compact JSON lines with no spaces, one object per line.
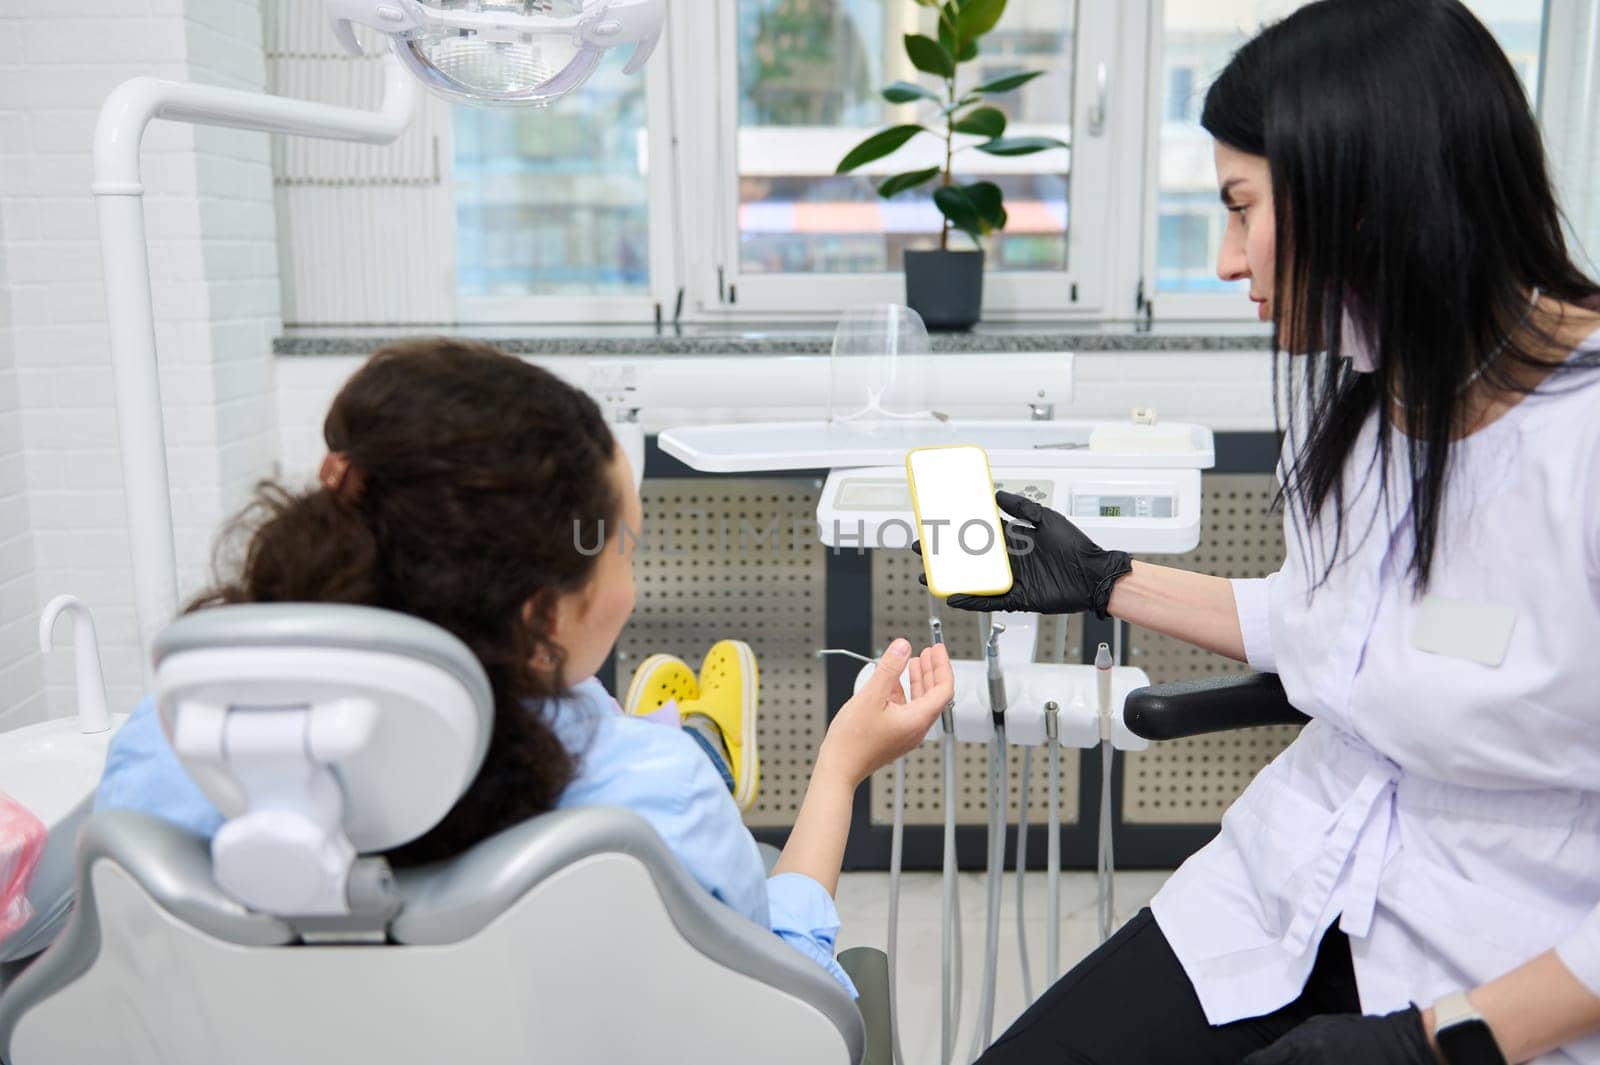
{"x":489,"y":52}
{"x":504,"y":53}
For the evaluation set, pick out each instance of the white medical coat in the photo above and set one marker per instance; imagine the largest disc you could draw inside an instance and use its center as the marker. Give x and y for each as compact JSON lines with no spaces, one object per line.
{"x":1445,"y":812}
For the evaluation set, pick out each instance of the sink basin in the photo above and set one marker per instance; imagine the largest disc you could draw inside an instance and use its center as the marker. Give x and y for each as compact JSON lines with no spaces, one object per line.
{"x":52,"y":767}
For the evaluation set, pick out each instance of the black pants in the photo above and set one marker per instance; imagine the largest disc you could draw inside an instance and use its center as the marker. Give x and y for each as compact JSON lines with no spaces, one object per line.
{"x":1130,"y":1003}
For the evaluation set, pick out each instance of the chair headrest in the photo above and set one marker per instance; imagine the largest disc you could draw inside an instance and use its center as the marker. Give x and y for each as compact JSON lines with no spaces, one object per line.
{"x":398,"y":709}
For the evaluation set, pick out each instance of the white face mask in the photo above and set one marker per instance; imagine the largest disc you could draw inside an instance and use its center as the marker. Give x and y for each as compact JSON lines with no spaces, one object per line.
{"x":1356,"y":346}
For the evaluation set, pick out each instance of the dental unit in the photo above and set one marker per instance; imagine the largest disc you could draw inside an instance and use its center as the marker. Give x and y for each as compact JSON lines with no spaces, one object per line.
{"x":1134,"y":485}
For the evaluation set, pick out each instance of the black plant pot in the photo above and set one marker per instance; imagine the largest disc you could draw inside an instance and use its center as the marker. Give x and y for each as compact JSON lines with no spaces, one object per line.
{"x":945,"y":287}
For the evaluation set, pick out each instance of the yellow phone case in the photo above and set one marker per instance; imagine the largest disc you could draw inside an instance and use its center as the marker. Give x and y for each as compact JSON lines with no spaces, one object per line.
{"x":999,"y":525}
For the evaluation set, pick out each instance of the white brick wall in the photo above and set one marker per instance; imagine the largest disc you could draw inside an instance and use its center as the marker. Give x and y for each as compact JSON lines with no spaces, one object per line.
{"x":21,"y":672}
{"x":210,"y":222}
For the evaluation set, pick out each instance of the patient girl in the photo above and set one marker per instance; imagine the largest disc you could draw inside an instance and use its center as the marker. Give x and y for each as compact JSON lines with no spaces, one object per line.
{"x":454,"y":478}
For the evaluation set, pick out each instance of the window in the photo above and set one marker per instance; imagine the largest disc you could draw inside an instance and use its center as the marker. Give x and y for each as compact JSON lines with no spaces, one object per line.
{"x":808,"y":76}
{"x":1181,"y":105}
{"x":1199,"y":36}
{"x":709,"y":184}
{"x":810,"y":73}
{"x":553,"y":202}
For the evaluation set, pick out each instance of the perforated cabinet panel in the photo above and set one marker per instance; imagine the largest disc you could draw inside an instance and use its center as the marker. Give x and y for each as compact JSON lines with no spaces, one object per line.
{"x":722,"y":559}
{"x":901,"y":609}
{"x":700,"y":581}
{"x":1192,"y":781}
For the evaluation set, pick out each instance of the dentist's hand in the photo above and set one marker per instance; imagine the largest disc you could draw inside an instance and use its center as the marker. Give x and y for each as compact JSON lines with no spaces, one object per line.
{"x":1055,"y":568}
{"x":878,"y":724}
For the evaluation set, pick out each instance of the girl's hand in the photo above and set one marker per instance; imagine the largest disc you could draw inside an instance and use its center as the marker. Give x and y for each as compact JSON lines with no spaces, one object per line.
{"x":879,"y":725}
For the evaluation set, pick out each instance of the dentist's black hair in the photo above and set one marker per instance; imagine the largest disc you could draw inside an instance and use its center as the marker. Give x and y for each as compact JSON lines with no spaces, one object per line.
{"x":1410,"y":186}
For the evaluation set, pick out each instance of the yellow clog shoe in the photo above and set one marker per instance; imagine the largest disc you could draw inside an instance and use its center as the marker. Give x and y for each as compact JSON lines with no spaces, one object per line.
{"x":730,"y":694}
{"x":659,"y":680}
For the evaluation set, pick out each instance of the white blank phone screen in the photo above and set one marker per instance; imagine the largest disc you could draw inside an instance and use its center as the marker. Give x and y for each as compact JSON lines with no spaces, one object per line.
{"x":963,"y":542}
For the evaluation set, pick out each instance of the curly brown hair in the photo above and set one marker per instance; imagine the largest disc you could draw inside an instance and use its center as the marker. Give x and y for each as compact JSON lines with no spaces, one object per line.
{"x":468,"y":463}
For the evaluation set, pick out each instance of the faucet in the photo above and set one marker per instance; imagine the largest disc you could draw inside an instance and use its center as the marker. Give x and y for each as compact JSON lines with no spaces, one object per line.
{"x":93,"y":715}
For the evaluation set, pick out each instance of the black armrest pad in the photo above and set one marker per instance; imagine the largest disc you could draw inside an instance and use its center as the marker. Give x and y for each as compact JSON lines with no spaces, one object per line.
{"x":1216,"y":704}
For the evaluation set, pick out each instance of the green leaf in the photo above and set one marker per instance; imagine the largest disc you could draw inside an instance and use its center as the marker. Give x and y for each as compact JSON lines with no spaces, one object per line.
{"x":904,"y":92}
{"x":948,"y":33}
{"x":877,"y":146}
{"x":1009,"y":84}
{"x":929,"y":56}
{"x":989,"y":203}
{"x":983,"y":122}
{"x":967,"y":52}
{"x":1020,"y":145}
{"x":978,"y":17}
{"x":954,"y":203}
{"x":901,"y":182}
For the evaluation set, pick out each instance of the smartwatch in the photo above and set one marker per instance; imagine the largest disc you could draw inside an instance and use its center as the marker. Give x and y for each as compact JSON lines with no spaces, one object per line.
{"x":1462,"y":1033}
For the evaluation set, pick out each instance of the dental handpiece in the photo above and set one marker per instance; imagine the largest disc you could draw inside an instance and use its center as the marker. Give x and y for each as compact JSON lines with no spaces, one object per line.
{"x":947,"y":716}
{"x":1102,"y":666}
{"x":996,"y":676}
{"x":1103,"y":662}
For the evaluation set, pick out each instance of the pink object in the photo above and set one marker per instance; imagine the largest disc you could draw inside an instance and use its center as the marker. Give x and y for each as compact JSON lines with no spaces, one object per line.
{"x":22,"y":838}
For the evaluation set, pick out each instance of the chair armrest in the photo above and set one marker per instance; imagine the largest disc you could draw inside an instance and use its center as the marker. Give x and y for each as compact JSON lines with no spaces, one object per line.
{"x":1216,"y":704}
{"x":868,"y":969}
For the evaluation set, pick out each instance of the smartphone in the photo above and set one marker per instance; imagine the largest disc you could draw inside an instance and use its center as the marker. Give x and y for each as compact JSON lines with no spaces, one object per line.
{"x":958,"y":522}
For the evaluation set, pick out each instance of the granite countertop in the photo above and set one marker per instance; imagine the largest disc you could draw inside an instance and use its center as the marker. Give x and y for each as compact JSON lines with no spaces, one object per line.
{"x":790,"y":338}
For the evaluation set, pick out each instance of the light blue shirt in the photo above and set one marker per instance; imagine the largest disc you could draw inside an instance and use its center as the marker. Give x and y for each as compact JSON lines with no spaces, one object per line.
{"x":656,"y":771}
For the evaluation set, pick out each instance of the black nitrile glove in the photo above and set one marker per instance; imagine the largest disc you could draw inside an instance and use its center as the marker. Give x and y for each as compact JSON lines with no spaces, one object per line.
{"x":1394,"y":1039}
{"x":1055,"y":568}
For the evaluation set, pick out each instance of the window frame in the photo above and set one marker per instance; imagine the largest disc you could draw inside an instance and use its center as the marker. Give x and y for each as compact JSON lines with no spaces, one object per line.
{"x":693,"y":188}
{"x":718,"y":290}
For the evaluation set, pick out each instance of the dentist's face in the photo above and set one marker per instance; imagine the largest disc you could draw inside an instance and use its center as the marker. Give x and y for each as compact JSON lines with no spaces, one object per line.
{"x":1249,"y":244}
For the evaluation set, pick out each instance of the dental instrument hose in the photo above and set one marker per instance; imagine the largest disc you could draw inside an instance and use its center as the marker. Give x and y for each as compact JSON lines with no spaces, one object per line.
{"x":950,"y":933}
{"x":999,"y":801}
{"x":896,"y":844}
{"x":1052,"y":856}
{"x":983,"y":1030}
{"x":950,"y":945}
{"x":1107,"y":862}
{"x":1052,"y":860}
{"x":1022,"y":872}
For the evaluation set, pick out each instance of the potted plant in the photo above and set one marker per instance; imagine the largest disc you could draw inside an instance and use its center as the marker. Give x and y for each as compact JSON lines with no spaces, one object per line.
{"x":946,"y":286}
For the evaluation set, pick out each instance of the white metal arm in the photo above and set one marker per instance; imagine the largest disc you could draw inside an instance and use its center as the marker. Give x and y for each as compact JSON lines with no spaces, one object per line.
{"x":119,"y":193}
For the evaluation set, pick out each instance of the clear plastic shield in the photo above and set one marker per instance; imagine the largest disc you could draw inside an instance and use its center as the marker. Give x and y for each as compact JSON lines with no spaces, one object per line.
{"x":879,"y":371}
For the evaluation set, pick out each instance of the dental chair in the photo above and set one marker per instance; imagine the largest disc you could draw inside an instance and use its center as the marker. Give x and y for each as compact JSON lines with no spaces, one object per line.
{"x":327,"y":734}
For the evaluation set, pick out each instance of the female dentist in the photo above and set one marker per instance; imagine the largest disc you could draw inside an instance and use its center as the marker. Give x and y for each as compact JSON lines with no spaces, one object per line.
{"x":1427,"y":852}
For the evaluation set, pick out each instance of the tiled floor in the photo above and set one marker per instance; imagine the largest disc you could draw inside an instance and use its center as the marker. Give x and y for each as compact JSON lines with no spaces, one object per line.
{"x":864,"y":913}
